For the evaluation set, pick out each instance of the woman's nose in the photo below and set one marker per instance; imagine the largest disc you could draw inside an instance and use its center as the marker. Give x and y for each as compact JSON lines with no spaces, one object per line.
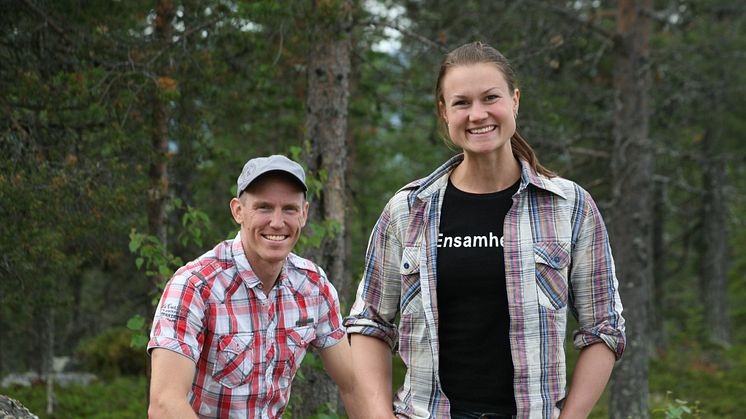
{"x":477,"y":113}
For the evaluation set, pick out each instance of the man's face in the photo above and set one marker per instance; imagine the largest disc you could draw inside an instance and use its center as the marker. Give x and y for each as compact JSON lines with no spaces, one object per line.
{"x":271,"y":213}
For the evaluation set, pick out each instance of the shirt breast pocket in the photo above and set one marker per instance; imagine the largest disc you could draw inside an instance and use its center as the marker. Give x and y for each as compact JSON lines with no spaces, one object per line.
{"x":298,"y":339}
{"x":411,"y":300}
{"x":552,"y":265}
{"x":234,"y":362}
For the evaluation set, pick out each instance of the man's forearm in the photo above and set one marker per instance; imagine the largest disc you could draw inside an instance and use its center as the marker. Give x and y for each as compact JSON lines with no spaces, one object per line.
{"x":371,"y":360}
{"x":592,"y":372}
{"x":165,"y":407}
{"x":171,"y":380}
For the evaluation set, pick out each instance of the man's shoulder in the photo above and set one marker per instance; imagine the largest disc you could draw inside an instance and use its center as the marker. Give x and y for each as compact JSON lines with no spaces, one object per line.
{"x":306,"y":276}
{"x":304,"y":265}
{"x":204,"y":269}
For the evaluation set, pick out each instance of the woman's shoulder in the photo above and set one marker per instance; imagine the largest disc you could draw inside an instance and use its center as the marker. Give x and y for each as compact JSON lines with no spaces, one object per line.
{"x":568,"y":189}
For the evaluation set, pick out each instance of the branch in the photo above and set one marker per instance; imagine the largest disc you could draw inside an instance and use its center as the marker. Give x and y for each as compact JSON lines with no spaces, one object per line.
{"x":423,"y":39}
{"x":589,"y":152}
{"x":22,"y":131}
{"x":182,"y":37}
{"x":48,"y":20}
{"x":198,"y":28}
{"x":588,"y":24}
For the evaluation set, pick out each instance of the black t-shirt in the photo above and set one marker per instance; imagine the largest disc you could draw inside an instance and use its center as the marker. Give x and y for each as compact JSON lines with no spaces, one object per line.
{"x":476,"y":367}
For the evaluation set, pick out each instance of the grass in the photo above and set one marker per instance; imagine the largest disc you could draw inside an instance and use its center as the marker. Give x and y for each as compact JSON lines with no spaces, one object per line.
{"x":120,"y":398}
{"x":712,"y":384}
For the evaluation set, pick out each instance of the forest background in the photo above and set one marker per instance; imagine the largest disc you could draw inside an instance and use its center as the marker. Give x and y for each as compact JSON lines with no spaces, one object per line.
{"x":123,"y":126}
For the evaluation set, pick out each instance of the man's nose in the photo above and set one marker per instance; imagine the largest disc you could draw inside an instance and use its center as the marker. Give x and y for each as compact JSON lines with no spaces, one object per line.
{"x":276,"y":219}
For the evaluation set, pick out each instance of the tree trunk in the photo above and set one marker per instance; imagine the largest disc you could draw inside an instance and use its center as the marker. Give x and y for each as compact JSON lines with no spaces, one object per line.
{"x":714,"y":266}
{"x":632,"y":209}
{"x":655,"y":325}
{"x":158,"y":173}
{"x":158,"y":193}
{"x":49,"y":359}
{"x":328,"y":73}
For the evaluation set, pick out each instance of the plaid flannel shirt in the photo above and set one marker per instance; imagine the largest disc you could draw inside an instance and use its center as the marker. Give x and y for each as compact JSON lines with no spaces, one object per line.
{"x":557,"y":257}
{"x":246,"y":345}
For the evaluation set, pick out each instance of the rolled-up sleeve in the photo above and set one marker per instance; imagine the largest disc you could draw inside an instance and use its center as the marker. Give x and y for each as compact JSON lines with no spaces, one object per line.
{"x":329,"y":330}
{"x":377,"y":299}
{"x":178,"y":322}
{"x":594,"y":284}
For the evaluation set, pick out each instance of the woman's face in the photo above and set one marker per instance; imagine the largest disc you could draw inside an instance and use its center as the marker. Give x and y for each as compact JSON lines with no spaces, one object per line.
{"x":479,"y":108}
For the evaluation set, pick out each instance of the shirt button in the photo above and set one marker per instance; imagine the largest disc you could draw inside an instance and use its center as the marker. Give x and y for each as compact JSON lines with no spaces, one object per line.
{"x":406,"y":265}
{"x":260,"y":286}
{"x":556,"y":258}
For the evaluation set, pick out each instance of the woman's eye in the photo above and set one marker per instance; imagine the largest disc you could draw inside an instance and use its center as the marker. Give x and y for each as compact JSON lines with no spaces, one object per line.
{"x":459,"y":103}
{"x":491,"y":98}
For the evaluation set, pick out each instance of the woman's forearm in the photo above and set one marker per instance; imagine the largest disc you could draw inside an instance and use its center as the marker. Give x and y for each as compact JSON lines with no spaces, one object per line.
{"x":592,"y":372}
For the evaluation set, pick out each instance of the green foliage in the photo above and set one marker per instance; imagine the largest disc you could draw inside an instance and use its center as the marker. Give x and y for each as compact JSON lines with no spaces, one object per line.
{"x":151,"y":255}
{"x":110,"y":354}
{"x":678,"y":409}
{"x":159,"y":263}
{"x":712,"y":381}
{"x":76,"y":113}
{"x":139,"y":327}
{"x":120,"y":398}
{"x":327,"y":411}
{"x":193,"y":223}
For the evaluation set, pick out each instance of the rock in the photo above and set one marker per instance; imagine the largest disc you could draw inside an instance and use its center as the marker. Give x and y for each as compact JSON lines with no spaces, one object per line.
{"x":20,"y":379}
{"x":62,"y":379}
{"x":13,"y":409}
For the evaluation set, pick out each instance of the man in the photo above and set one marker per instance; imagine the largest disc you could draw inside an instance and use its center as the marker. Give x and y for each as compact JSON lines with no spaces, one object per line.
{"x":232,"y":327}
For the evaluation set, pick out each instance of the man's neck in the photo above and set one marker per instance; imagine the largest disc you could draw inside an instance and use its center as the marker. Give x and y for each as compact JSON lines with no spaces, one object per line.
{"x":267,"y":274}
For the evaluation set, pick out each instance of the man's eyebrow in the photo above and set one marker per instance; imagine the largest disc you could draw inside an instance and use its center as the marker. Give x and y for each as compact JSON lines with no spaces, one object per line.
{"x":261,"y":204}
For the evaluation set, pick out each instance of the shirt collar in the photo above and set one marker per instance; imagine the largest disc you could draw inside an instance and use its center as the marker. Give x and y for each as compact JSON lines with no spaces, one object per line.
{"x":243,"y":267}
{"x":439,"y":179}
{"x":529,"y":176}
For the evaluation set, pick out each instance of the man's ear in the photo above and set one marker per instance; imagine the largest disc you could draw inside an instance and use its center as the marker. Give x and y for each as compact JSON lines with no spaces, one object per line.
{"x":235,"y":205}
{"x":304,"y":213}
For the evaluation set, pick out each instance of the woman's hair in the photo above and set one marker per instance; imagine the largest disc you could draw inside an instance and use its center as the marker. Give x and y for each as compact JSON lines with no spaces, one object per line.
{"x":478,"y":53}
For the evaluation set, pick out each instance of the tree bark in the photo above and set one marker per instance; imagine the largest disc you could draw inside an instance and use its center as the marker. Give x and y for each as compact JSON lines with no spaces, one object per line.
{"x":158,"y":192}
{"x":632,"y":209}
{"x":49,"y":359}
{"x":655,"y":325}
{"x":328,"y":73}
{"x":158,"y":171}
{"x":714,"y":266}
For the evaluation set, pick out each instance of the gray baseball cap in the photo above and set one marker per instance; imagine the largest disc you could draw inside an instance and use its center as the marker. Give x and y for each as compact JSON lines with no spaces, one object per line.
{"x":259,"y":166}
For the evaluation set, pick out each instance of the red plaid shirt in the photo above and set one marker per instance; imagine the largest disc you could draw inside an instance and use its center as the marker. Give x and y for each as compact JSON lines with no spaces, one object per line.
{"x":246,"y":346}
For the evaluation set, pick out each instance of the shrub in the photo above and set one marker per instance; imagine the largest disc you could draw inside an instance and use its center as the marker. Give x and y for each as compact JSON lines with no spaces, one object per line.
{"x":110,"y":355}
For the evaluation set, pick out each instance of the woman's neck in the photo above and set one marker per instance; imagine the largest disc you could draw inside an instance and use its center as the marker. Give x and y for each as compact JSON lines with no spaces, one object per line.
{"x":486,"y":173}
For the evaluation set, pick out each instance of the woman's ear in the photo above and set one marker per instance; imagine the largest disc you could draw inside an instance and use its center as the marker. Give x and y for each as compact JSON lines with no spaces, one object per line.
{"x":442,"y":111}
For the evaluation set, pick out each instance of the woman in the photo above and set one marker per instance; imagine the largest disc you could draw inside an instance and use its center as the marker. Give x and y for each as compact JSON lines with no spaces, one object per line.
{"x":481,"y":260}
